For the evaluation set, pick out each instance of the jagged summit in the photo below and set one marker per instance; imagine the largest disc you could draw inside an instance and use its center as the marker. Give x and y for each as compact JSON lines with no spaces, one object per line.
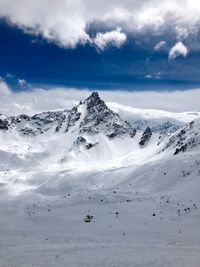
{"x":95,"y":103}
{"x":100,"y":119}
{"x":94,"y":97}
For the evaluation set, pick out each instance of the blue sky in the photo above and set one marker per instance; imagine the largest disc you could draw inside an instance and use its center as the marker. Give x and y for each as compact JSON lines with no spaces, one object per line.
{"x":94,"y":51}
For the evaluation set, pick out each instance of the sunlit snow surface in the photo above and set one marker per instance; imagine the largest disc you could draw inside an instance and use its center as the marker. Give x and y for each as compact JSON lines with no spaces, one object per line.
{"x":47,"y":190}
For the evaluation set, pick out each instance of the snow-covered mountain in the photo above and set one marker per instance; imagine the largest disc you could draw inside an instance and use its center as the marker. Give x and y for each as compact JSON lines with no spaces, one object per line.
{"x":90,"y":133}
{"x":139,"y":188}
{"x":88,"y":125}
{"x":91,"y":116}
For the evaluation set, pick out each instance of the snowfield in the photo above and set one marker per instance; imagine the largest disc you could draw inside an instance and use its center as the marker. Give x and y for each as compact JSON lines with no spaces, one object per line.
{"x":143,"y":202}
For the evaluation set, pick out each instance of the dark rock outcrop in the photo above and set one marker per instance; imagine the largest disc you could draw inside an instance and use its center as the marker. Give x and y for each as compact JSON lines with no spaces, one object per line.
{"x":145,"y":137}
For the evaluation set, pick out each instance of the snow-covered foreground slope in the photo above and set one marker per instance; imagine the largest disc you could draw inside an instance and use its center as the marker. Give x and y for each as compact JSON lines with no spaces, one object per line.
{"x":144,"y":199}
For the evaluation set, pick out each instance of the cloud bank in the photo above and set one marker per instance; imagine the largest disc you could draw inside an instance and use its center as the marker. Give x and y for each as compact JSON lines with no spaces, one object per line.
{"x":38,"y":100}
{"x":66,"y":21}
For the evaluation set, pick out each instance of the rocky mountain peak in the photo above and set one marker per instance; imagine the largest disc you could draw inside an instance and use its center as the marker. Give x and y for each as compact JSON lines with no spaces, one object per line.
{"x":94,"y":97}
{"x":94,"y":103}
{"x":98,"y":118}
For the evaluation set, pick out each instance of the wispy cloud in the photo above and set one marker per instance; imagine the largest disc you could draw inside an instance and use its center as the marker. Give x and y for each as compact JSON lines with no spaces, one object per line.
{"x":160,"y":45}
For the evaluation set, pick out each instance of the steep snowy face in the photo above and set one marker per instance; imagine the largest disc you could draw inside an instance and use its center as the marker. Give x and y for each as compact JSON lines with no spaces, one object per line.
{"x":185,"y":139}
{"x":100,"y":119}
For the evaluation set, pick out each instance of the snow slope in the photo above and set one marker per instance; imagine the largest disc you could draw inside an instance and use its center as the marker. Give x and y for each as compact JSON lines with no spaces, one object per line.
{"x":144,"y":199}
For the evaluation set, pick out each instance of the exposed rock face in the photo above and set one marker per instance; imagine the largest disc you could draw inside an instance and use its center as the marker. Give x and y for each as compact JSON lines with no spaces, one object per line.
{"x":100,"y":119}
{"x":145,"y":137}
{"x":82,"y":142}
{"x":185,"y":139}
{"x":4,"y":124}
{"x":73,"y":117}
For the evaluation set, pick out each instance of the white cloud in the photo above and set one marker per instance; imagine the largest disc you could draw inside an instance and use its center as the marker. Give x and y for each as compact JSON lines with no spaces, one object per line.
{"x":178,"y":50}
{"x":149,"y":76}
{"x":66,"y":21}
{"x":22,"y":82}
{"x":115,"y":38}
{"x":156,"y":75}
{"x":160,"y":45}
{"x":4,"y":89}
{"x":39,"y":100}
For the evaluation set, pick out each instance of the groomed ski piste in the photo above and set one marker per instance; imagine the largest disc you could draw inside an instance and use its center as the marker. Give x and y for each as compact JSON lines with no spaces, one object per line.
{"x":78,"y":188}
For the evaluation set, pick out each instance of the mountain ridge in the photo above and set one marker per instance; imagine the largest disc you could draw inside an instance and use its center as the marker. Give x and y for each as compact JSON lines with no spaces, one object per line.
{"x":97,"y":115}
{"x":87,"y":120}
